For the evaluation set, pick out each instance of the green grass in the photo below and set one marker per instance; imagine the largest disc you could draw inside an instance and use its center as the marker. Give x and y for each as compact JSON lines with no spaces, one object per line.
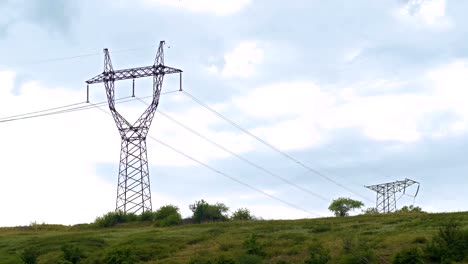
{"x":281,"y":241}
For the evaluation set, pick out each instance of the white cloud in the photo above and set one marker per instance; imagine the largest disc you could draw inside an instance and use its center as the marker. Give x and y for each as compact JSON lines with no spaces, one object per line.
{"x":216,"y":7}
{"x":427,"y":13}
{"x":242,"y":62}
{"x":306,"y":113}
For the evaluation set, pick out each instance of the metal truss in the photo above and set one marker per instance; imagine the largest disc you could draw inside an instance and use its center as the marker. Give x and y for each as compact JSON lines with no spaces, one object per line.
{"x":386,"y":194}
{"x":133,"y":188}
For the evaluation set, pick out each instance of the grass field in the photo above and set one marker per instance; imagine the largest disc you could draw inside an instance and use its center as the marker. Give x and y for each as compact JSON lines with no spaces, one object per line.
{"x":277,"y":241}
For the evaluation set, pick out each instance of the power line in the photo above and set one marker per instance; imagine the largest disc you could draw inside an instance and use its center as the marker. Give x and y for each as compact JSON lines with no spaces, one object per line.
{"x":40,"y":111}
{"x":42,"y":61}
{"x":288,"y":156}
{"x":222,"y":173}
{"x":47,"y":112}
{"x":253,"y":164}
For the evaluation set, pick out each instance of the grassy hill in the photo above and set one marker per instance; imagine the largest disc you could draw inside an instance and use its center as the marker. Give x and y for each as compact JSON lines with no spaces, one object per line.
{"x":359,"y":239}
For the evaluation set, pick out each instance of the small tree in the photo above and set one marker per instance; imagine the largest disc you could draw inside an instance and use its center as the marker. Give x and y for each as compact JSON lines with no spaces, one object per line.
{"x":203,"y":211}
{"x":342,"y":206}
{"x":242,"y":214}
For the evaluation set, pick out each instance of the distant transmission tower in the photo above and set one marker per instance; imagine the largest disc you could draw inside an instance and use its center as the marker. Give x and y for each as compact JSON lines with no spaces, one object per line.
{"x":386,"y":194}
{"x":133,"y":188}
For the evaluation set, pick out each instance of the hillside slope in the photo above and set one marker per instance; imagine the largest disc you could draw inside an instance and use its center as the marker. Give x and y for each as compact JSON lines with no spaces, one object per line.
{"x":276,"y":241}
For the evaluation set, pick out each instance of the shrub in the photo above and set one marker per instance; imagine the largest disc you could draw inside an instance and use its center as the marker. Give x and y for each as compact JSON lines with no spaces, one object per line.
{"x":146,"y":216}
{"x":371,"y":211}
{"x":242,"y":214}
{"x":29,"y":256}
{"x":409,"y":256}
{"x":113,"y":218}
{"x":72,"y":253}
{"x":410,"y":209}
{"x":450,"y":244}
{"x":167,"y":215}
{"x":120,"y":255}
{"x":252,"y":246}
{"x":319,"y":255}
{"x":203,"y":211}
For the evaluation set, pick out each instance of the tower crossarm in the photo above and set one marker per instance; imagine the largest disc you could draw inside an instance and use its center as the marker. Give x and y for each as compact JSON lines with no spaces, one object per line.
{"x":133,"y":73}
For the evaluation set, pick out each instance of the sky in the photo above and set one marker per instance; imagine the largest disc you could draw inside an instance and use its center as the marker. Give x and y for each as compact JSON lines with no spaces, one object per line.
{"x":364,"y":92}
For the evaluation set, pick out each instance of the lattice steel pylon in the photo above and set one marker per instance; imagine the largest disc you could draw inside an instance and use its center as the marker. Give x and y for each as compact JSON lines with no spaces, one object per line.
{"x":386,"y":194}
{"x":133,"y":188}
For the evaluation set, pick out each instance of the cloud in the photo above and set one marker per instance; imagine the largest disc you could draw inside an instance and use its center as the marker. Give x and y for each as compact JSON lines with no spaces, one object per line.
{"x":216,"y":7}
{"x":428,"y":13}
{"x":53,"y":15}
{"x":242,"y":62}
{"x":307,"y":112}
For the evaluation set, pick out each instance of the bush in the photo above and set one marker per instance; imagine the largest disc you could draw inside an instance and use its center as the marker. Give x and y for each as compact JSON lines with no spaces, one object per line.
{"x":167,"y":215}
{"x":319,"y":255}
{"x":450,"y":244}
{"x":203,"y":212}
{"x":113,"y":218}
{"x":120,"y":255}
{"x":252,"y":246}
{"x":409,"y":256}
{"x":242,"y":214}
{"x":371,"y":211}
{"x":146,"y":216}
{"x":410,"y":209}
{"x":29,"y":256}
{"x":72,"y":253}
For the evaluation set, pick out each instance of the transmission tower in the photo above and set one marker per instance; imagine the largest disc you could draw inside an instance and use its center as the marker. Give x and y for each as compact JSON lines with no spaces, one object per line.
{"x":386,"y":194}
{"x":133,"y":188}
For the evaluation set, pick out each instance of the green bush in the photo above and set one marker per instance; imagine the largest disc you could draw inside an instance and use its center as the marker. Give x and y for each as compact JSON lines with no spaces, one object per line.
{"x":72,"y":253}
{"x":409,"y":256}
{"x":167,"y":215}
{"x":120,"y":255}
{"x":242,"y":214}
{"x":252,"y":246}
{"x":318,"y":255}
{"x":410,"y":209}
{"x":29,"y":255}
{"x":205,"y":212}
{"x":146,"y":216}
{"x":449,"y":245}
{"x":113,"y":218}
{"x":371,"y":211}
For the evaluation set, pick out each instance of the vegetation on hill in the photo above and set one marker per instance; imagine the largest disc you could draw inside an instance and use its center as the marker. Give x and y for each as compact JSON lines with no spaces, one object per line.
{"x":405,"y":237}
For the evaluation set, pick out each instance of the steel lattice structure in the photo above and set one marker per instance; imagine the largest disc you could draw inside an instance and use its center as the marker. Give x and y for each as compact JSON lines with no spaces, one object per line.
{"x":386,"y":194}
{"x":133,"y":188}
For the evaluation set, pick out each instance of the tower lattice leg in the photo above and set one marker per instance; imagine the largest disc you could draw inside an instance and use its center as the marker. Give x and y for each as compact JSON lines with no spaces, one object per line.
{"x":133,"y":189}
